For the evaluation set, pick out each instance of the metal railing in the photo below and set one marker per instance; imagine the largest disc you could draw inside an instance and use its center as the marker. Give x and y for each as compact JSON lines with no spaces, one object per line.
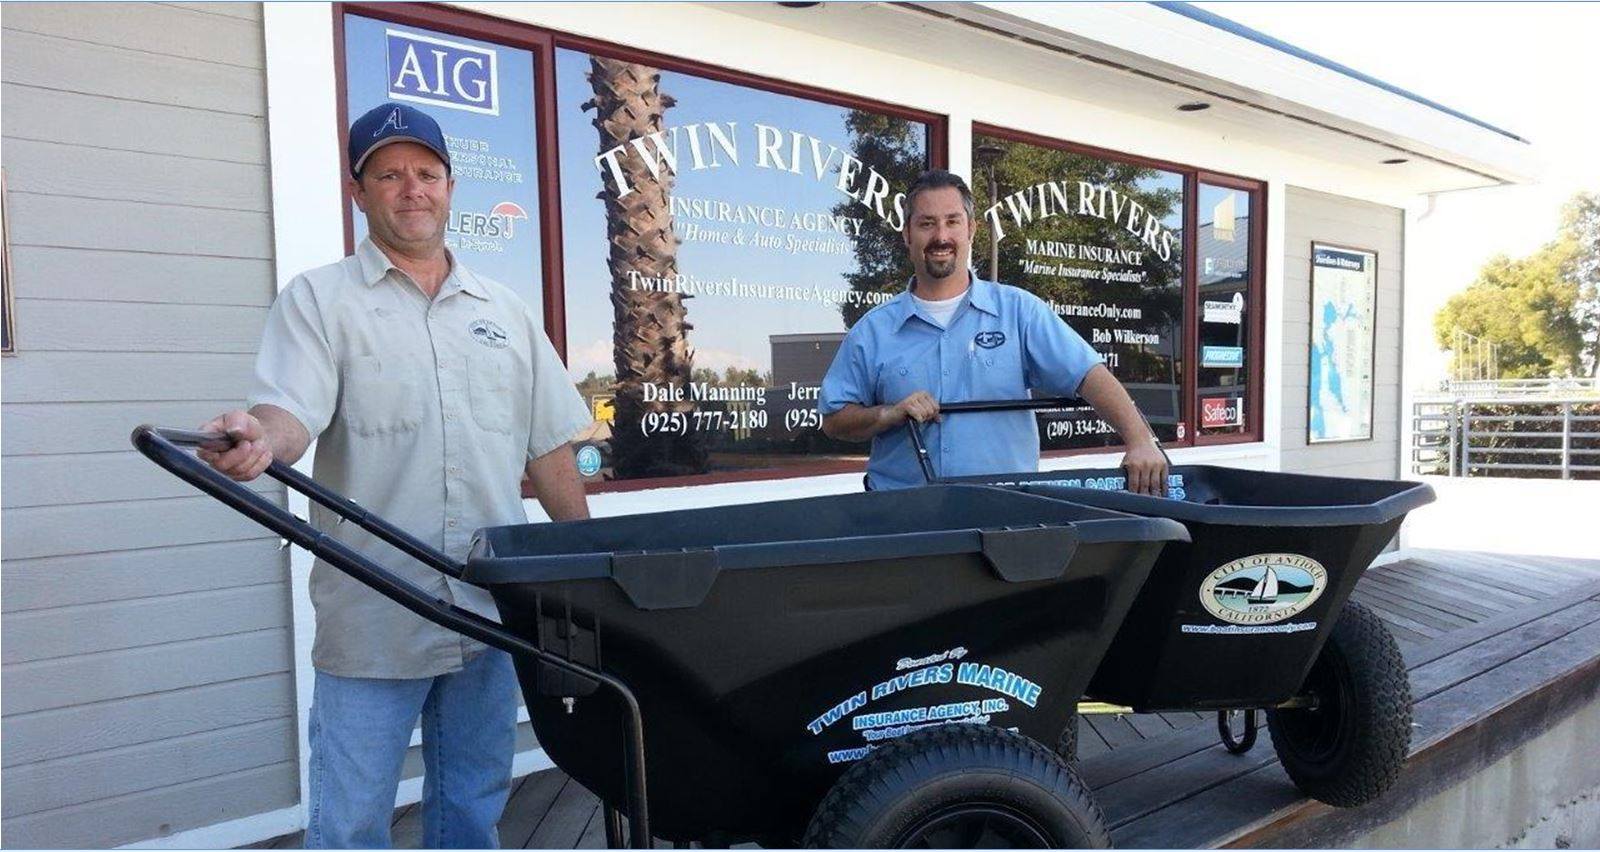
{"x":1539,"y":438}
{"x":1498,"y":389}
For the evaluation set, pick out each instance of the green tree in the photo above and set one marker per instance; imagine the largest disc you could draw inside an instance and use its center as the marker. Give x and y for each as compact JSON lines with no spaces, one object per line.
{"x":897,"y":149}
{"x":1528,"y":306}
{"x":1580,"y":223}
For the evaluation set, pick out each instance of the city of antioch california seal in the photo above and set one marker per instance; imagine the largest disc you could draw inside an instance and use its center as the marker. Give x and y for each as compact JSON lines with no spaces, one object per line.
{"x":1264,"y":588}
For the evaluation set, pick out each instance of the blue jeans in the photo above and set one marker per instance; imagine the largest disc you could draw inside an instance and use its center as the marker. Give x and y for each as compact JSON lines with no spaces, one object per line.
{"x":360,"y":729}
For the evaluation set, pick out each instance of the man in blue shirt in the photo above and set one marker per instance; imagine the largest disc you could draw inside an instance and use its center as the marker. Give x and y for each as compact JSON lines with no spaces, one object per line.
{"x":955,"y":337}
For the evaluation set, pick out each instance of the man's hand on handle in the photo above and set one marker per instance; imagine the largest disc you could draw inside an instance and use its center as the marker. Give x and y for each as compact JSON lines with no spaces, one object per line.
{"x":1147,"y":469}
{"x":251,"y":452}
{"x":920,"y":406}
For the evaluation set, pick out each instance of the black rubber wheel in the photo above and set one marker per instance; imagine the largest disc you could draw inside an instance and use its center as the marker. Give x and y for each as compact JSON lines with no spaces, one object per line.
{"x":1067,"y":742}
{"x":1246,"y":740}
{"x":1347,"y":748}
{"x":959,"y":786}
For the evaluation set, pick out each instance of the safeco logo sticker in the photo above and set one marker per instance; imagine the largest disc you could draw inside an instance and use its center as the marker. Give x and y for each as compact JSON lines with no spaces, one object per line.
{"x":1264,"y":588}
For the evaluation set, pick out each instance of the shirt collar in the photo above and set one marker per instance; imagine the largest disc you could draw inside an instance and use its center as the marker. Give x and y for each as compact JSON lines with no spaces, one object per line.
{"x":982,"y":295}
{"x":375,"y":265}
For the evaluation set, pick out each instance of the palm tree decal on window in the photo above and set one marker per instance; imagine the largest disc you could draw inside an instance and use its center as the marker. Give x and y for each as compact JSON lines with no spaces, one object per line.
{"x":651,"y":329}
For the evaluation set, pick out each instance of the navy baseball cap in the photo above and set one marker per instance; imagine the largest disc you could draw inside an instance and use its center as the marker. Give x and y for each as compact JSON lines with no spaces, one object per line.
{"x":393,"y":122}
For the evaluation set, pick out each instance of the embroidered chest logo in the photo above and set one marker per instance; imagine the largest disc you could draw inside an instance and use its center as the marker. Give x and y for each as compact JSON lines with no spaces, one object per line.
{"x":489,"y":333}
{"x":989,"y":339}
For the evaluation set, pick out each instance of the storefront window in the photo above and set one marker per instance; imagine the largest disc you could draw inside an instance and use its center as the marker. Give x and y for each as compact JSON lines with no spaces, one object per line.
{"x":1223,"y":275}
{"x":481,"y":94}
{"x":1103,"y":238}
{"x":718,"y":240}
{"x":1102,"y":241}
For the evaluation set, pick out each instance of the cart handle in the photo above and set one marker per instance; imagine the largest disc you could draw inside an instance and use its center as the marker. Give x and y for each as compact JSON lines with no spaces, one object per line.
{"x":337,"y":503}
{"x":162,"y":447}
{"x":921,"y":448}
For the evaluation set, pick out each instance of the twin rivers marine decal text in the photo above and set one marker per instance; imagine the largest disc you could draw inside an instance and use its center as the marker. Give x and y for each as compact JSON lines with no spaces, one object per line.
{"x":942,"y":668}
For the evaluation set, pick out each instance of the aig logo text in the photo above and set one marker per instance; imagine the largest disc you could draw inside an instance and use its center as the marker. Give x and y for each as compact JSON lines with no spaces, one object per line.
{"x":429,"y":70}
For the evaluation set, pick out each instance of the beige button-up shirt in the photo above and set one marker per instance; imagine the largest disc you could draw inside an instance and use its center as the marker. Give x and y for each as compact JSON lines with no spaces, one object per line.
{"x":425,"y":413}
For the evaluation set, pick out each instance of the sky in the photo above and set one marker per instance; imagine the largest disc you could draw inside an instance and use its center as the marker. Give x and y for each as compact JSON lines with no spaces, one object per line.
{"x":1529,"y":68}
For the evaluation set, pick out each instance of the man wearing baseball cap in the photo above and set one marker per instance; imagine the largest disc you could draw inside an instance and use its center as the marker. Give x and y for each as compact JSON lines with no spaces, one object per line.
{"x":432,"y":391}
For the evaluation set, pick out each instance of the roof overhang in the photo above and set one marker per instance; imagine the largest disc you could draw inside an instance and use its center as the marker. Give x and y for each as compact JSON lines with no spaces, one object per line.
{"x":1148,"y":58}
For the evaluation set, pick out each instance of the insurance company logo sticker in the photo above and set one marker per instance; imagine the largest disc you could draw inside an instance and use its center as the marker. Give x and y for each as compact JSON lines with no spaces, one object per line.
{"x":1263,"y":589}
{"x":588,"y":460}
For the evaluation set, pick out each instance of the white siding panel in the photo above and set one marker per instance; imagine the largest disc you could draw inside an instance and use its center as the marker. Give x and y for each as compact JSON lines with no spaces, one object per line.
{"x":147,"y":654}
{"x":53,"y":784}
{"x":45,"y":428}
{"x":119,"y":575}
{"x":1319,"y":217}
{"x":245,"y":11}
{"x":46,"y":115}
{"x":49,"y":684}
{"x":113,"y":276}
{"x":157,"y":813}
{"x":102,"y":527}
{"x":100,"y":377}
{"x":67,"y":731}
{"x":133,"y":327}
{"x":47,"y":220}
{"x":50,"y":634}
{"x":74,"y":66}
{"x":56,"y":480}
{"x":80,"y":171}
{"x":147,"y":27}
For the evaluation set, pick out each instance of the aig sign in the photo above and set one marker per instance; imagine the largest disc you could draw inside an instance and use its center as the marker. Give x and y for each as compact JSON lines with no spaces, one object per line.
{"x":429,"y":70}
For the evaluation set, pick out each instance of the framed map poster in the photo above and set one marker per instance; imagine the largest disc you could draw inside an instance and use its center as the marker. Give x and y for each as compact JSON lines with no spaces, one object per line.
{"x":1344,"y":293}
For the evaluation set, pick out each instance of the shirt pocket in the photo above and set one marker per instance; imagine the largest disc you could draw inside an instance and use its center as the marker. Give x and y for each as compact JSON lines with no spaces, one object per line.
{"x":493,"y":404}
{"x":380,"y":397}
{"x":997,"y":373}
{"x":901,"y":378}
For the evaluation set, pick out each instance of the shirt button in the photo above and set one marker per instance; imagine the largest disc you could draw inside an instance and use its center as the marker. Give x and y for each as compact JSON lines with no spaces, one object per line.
{"x":449,"y":416}
{"x":451,"y":522}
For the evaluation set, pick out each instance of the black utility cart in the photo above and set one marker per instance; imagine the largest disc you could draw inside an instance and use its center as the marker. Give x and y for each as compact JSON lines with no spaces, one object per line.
{"x":1253,"y":613}
{"x":863,"y":670}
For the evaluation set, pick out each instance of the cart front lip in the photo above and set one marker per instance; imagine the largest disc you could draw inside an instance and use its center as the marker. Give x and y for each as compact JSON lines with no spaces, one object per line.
{"x":1404,"y":497}
{"x":487,"y":567}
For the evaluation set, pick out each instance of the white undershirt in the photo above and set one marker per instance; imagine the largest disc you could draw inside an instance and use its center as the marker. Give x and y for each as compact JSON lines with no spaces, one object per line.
{"x":941,"y":311}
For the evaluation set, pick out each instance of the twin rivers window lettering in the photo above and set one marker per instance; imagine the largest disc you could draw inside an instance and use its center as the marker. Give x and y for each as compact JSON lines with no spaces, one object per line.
{"x":718,"y":236}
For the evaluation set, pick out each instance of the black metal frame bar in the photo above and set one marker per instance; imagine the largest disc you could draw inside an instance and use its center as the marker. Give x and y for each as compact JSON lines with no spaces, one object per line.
{"x":921,"y":447}
{"x":162,"y":446}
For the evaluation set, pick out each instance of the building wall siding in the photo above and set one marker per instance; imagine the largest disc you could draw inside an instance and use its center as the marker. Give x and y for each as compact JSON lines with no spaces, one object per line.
{"x":148,"y":683}
{"x":1317,"y":216}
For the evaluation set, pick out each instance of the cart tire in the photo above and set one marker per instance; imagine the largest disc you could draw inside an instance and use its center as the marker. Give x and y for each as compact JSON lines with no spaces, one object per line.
{"x":1067,"y":743}
{"x":959,"y":786}
{"x":1349,"y":748}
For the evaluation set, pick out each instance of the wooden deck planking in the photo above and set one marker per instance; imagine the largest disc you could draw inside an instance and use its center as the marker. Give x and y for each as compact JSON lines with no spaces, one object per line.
{"x":1441,"y":605}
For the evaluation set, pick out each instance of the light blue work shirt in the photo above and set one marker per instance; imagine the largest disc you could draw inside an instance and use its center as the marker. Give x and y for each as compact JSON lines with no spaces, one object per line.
{"x":1001,"y":343}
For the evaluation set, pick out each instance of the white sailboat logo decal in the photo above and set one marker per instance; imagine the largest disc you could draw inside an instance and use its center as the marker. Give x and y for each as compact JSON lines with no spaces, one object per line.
{"x":1266,"y":589}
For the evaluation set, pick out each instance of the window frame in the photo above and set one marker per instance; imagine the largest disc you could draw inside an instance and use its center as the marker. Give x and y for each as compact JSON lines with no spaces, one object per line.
{"x":1193,"y":176}
{"x":543,"y":43}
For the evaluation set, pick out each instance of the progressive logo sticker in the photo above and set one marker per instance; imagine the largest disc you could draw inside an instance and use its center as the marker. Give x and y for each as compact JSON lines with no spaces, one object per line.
{"x":1263,"y":589}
